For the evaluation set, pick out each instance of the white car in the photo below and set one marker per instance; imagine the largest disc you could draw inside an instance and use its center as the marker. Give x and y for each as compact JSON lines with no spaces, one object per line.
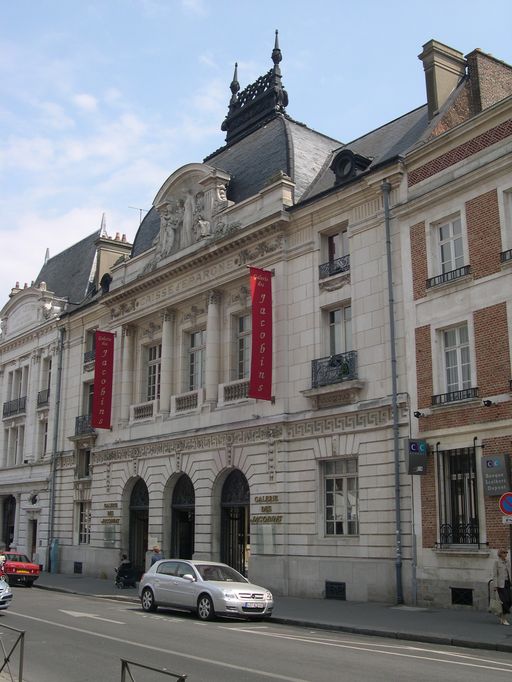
{"x":207,"y":588}
{"x":5,"y":594}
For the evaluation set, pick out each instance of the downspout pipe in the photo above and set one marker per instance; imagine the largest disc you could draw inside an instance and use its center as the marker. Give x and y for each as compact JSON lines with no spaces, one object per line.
{"x":386,"y":190}
{"x":51,"y":559}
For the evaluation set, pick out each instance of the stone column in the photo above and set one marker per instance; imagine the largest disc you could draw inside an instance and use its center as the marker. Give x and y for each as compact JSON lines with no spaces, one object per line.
{"x":127,"y":372}
{"x":212,"y":347}
{"x":166,"y":377}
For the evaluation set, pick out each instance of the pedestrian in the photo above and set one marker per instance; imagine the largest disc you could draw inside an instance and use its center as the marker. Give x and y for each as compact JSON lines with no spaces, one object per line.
{"x":157,"y":555}
{"x":501,"y":579}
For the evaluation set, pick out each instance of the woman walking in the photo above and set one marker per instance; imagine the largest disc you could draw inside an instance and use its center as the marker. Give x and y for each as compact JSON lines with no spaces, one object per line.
{"x":501,"y":579}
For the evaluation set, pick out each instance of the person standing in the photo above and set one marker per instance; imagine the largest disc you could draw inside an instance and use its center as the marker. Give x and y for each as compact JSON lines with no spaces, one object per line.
{"x":157,"y":555}
{"x":501,"y":579}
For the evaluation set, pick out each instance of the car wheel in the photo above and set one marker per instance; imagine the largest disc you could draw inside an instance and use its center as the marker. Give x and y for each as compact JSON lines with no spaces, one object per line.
{"x":147,"y":600}
{"x":29,"y":583}
{"x":205,"y":610}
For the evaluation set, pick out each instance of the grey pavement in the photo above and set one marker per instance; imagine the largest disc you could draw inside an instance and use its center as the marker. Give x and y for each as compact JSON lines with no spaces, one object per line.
{"x":459,"y":627}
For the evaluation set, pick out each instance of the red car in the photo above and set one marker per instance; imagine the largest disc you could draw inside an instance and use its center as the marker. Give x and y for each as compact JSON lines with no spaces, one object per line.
{"x":19,"y":569}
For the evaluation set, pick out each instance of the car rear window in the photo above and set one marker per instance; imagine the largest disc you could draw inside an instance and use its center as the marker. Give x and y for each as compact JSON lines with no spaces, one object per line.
{"x":18,"y":557}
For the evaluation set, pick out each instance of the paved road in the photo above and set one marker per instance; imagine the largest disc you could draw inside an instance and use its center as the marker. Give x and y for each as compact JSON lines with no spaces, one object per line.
{"x":71,"y":638}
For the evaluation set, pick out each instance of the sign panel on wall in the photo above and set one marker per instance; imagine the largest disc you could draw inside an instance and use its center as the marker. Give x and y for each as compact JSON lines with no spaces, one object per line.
{"x":495,"y":474}
{"x":416,"y":452}
{"x":260,"y":382}
{"x":103,"y":373}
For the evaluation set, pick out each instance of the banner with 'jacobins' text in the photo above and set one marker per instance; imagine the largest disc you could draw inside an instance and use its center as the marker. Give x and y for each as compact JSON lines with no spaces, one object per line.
{"x":103,"y":374}
{"x":260,"y":382}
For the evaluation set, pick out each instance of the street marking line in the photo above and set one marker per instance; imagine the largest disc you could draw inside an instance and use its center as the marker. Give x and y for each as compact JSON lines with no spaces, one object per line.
{"x":366,"y":647}
{"x":200,"y":659}
{"x":80,"y":614}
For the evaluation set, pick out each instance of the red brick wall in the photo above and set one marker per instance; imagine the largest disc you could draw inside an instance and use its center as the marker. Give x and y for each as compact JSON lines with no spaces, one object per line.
{"x":429,"y":504}
{"x":498,"y":534}
{"x":484,"y":238}
{"x":419,"y":260}
{"x":492,"y":350}
{"x":424,"y":366}
{"x":461,"y":152}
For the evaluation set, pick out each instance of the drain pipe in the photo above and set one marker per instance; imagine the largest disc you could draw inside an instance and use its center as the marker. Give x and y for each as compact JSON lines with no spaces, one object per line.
{"x":386,"y":189}
{"x":52,"y":556}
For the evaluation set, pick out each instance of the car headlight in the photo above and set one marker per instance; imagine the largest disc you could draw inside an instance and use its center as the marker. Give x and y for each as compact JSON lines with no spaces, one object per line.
{"x":268,"y":596}
{"x":229,"y":594}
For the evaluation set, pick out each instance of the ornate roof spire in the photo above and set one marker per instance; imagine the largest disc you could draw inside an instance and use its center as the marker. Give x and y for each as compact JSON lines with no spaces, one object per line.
{"x":258,"y":103}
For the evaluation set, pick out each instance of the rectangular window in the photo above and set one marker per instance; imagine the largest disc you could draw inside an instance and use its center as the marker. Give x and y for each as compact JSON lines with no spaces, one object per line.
{"x":153,"y":378}
{"x":341,"y":497}
{"x":43,"y":437}
{"x":197,"y":353}
{"x":337,"y":245}
{"x":457,"y":487}
{"x":83,"y":463}
{"x":457,"y":363}
{"x":340,"y":330}
{"x":451,"y":247}
{"x":243,"y":346}
{"x":84,"y":523}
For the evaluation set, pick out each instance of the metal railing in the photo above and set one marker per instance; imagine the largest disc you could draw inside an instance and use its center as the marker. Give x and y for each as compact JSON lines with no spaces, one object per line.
{"x":43,"y":397}
{"x":448,"y":276}
{"x":19,"y":648}
{"x":334,"y":369}
{"x":83,"y":425}
{"x":89,"y":356}
{"x":505,"y":256}
{"x":454,"y":396}
{"x":126,"y":671}
{"x":16,"y":406}
{"x":334,"y":267}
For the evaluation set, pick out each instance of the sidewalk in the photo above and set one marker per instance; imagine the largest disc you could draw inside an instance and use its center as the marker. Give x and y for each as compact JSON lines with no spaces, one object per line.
{"x":461,"y":627}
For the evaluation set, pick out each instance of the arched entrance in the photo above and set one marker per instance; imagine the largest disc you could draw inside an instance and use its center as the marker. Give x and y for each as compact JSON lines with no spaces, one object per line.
{"x":9,"y":519}
{"x":183,"y":519}
{"x":234,"y":536}
{"x":139,"y":513}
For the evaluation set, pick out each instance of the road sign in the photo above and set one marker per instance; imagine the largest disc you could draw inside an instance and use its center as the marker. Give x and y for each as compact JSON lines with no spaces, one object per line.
{"x":506,"y":520}
{"x":506,"y":504}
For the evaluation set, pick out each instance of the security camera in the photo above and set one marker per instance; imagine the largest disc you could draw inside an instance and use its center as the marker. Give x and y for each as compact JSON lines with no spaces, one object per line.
{"x":487,"y":403}
{"x":418,"y":414}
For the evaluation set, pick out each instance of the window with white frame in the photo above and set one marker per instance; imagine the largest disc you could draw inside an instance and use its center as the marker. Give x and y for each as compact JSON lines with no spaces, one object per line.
{"x":340,"y":330}
{"x":458,"y":497}
{"x":84,"y":522}
{"x":341,"y":499}
{"x":337,"y":252}
{"x":197,"y":357}
{"x":43,"y":437}
{"x":153,"y":371}
{"x":451,"y":247}
{"x":243,"y":346}
{"x":457,"y":361}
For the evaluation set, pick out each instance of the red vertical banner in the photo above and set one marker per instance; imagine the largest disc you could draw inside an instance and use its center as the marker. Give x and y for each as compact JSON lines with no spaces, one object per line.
{"x":103,"y":377}
{"x":260,"y":383}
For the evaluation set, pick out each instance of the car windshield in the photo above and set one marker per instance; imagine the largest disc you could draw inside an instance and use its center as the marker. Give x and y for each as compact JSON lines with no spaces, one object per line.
{"x":220,"y":573}
{"x":17,"y":557}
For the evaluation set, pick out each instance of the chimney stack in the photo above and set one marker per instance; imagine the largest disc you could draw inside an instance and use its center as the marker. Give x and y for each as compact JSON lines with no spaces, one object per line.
{"x":444,"y":67}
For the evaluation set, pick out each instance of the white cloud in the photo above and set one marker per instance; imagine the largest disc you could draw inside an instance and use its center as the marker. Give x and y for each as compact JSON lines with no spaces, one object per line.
{"x":85,"y":102}
{"x":196,"y":7}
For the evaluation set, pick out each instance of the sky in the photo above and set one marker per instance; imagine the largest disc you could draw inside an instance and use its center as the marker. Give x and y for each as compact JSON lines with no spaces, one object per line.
{"x":102,"y":100}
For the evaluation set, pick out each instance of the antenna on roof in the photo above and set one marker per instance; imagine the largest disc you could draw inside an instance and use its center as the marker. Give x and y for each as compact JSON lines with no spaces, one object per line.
{"x":140,"y":210}
{"x":103,"y":229}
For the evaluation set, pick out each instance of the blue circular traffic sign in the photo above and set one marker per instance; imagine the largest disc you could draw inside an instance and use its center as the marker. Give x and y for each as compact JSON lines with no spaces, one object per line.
{"x":506,"y":503}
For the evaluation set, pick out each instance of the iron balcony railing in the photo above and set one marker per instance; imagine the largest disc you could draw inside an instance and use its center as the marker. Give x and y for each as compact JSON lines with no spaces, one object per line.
{"x":334,"y":369}
{"x":83,"y":425}
{"x":454,"y":396}
{"x":16,"y":406}
{"x":334,"y":267}
{"x":448,"y":276}
{"x":43,"y":397}
{"x":505,"y":256}
{"x":89,"y":356}
{"x":459,"y":534}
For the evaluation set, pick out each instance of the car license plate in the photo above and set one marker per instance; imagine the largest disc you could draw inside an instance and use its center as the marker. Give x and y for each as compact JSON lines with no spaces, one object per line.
{"x":23,"y":570}
{"x":252,"y":605}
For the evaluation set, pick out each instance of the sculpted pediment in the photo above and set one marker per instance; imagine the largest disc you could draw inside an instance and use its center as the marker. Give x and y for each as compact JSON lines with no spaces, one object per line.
{"x":189,"y":204}
{"x":27,"y":308}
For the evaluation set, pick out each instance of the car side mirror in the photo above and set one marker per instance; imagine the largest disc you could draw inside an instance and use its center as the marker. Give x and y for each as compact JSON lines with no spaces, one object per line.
{"x":189,"y":577}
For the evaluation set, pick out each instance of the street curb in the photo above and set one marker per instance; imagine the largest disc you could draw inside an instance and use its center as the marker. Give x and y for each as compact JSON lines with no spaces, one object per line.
{"x":354,"y":630}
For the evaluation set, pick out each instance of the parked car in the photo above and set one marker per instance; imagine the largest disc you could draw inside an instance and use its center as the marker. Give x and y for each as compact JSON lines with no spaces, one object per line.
{"x":19,"y":569}
{"x":205,"y":587}
{"x":5,"y":594}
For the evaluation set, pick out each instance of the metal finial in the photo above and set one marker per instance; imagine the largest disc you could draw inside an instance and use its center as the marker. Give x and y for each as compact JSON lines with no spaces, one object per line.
{"x":235,"y":85}
{"x":276,"y":52}
{"x":103,"y":228}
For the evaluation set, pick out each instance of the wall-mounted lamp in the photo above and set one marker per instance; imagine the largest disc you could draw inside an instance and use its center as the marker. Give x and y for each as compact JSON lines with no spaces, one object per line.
{"x":488,"y":403}
{"x":418,"y":414}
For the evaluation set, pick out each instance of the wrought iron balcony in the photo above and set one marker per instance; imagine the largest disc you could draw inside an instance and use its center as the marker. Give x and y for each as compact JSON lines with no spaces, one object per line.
{"x":506,"y":256}
{"x":454,"y":396}
{"x":83,"y":425}
{"x":43,"y":397}
{"x":448,"y":276}
{"x":16,"y":406}
{"x":334,"y":369}
{"x":459,"y":533}
{"x":334,"y":267}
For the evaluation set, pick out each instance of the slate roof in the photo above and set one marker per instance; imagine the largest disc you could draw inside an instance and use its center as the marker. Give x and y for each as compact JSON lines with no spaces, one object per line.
{"x":68,"y":273}
{"x":380,"y":145}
